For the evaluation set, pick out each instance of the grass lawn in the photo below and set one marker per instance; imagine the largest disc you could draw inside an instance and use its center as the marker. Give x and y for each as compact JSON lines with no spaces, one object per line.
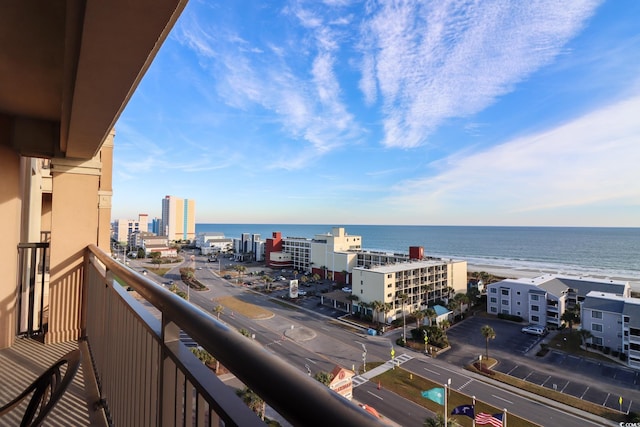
{"x":410,"y":386}
{"x":251,"y":311}
{"x":160,"y":271}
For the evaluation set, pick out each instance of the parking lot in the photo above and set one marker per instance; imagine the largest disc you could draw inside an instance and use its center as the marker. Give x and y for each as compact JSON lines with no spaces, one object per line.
{"x":599,"y":382}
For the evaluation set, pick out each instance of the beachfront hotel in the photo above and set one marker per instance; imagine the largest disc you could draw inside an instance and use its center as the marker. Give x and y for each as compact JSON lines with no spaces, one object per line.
{"x":70,"y":69}
{"x":424,"y":282}
{"x":542,"y":300}
{"x":178,"y":218}
{"x":123,"y":229}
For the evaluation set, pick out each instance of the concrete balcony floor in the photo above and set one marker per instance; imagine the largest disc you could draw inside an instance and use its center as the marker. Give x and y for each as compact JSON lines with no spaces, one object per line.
{"x":22,"y":363}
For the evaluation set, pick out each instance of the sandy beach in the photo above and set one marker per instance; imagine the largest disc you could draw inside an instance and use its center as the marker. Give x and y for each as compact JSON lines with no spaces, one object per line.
{"x":515,"y":273}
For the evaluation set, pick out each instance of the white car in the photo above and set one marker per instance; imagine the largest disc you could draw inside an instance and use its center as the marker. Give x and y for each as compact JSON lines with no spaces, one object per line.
{"x":346,"y":289}
{"x":535,"y":330}
{"x":302,"y":293}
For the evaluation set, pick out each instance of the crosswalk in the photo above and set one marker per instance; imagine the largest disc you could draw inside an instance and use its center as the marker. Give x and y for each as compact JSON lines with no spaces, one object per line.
{"x":358,"y":380}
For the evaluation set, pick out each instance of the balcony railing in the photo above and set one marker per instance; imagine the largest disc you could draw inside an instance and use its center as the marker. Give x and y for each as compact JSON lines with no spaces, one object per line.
{"x":148,"y":377}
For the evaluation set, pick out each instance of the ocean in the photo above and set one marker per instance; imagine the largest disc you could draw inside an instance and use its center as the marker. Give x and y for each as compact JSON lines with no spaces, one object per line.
{"x":600,"y":252}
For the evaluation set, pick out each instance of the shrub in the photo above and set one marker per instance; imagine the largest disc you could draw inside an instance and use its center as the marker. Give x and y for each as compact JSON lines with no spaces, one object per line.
{"x":510,"y":317}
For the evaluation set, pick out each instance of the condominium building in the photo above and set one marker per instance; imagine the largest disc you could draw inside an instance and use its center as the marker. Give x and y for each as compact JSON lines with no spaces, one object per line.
{"x":419,"y":283}
{"x":614,"y":323}
{"x":542,"y":300}
{"x":124,"y":228}
{"x":178,"y":218}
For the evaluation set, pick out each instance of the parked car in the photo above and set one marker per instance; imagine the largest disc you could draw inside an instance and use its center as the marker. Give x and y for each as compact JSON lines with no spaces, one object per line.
{"x":226,"y":276}
{"x":346,"y":289}
{"x":535,"y":330}
{"x":302,"y":293}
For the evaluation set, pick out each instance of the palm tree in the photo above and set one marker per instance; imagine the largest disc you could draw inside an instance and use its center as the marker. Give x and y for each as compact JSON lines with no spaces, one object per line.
{"x":218,"y":310}
{"x":489,"y":334}
{"x":419,"y":316}
{"x":571,"y":317}
{"x":437,"y":421}
{"x":585,"y":335}
{"x":431,"y":314}
{"x":252,"y":400}
{"x":445,"y":324}
{"x":267,"y":282}
{"x":376,"y":306}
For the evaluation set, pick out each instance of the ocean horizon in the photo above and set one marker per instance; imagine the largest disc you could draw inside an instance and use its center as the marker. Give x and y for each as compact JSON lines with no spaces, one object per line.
{"x":612,"y":252}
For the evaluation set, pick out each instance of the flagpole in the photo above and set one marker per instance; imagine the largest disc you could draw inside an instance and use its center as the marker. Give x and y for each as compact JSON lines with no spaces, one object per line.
{"x":504,"y":418}
{"x":473,"y":422}
{"x":445,"y":405}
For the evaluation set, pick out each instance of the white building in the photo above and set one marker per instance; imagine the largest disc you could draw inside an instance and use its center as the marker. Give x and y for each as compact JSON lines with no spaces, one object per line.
{"x":212,"y":243}
{"x":424,"y":282}
{"x":158,"y":244}
{"x":542,"y":300}
{"x":123,"y":228}
{"x":614,"y":322}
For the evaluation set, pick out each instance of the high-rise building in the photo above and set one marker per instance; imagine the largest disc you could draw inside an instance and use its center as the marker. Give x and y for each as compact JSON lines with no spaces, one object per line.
{"x":178,"y":218}
{"x":124,"y":228}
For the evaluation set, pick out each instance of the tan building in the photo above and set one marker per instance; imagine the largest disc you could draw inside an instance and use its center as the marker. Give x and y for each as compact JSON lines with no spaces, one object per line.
{"x":424,"y":282}
{"x":123,"y":229}
{"x":178,"y":218}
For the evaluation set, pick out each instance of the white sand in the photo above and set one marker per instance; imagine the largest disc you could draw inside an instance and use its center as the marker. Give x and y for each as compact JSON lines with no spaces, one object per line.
{"x":515,"y":273}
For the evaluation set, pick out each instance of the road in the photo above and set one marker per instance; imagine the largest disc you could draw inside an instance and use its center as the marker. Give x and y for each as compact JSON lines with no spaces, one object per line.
{"x":333,"y":345}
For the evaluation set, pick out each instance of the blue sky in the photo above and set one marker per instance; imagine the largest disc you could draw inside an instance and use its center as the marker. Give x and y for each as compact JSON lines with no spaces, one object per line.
{"x":393,"y":112}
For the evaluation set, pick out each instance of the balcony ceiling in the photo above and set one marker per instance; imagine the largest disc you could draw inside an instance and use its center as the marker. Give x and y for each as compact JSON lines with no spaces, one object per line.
{"x":68,"y":68}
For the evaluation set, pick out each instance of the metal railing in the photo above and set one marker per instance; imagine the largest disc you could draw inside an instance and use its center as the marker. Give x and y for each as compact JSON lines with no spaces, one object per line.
{"x":33,"y":265}
{"x":148,"y":377}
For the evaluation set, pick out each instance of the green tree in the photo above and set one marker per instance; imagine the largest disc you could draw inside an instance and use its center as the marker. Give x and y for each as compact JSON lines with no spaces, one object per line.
{"x":267,"y":282}
{"x":431,"y":314}
{"x":584,"y":336}
{"x":489,"y":334}
{"x":324,"y":377}
{"x":156,"y":258}
{"x":252,"y":400}
{"x":437,"y":421}
{"x":218,"y":310}
{"x":419,"y":316}
{"x":570,"y":317}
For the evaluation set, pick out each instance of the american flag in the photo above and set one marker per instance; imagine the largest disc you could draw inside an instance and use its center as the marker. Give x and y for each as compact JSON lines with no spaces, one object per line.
{"x":495,"y":420}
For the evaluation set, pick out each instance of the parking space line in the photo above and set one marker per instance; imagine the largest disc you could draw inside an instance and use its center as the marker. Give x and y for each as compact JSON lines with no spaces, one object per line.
{"x":565,"y":386}
{"x":545,"y":381}
{"x":605,"y":400}
{"x":528,"y":375}
{"x":512,"y":369}
{"x":374,"y":395}
{"x":585,"y":392}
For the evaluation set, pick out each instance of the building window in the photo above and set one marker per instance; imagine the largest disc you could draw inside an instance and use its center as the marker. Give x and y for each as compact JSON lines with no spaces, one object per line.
{"x":505,"y":302}
{"x":505,"y":311}
{"x":494,"y":309}
{"x":505,"y":292}
{"x":596,"y":327}
{"x":518,"y":313}
{"x":494,"y":290}
{"x":518,"y":302}
{"x":596,"y":314}
{"x":597,"y":340}
{"x":535,"y":308}
{"x":535,"y":318}
{"x":494,"y":300}
{"x":534,"y":297}
{"x":518,"y":293}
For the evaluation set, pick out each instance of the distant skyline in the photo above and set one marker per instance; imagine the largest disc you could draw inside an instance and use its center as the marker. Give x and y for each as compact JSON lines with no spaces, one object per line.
{"x":396,"y":112}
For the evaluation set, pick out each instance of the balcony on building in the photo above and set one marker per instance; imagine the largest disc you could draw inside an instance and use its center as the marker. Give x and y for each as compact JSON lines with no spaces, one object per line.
{"x":70,"y":67}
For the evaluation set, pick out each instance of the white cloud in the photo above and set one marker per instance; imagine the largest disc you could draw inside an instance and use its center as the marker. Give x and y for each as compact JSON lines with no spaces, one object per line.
{"x":589,"y":161}
{"x":438,"y":60}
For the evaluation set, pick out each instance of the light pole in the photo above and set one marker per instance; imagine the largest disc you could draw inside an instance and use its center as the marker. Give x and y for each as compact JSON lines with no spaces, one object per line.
{"x":364,"y":358}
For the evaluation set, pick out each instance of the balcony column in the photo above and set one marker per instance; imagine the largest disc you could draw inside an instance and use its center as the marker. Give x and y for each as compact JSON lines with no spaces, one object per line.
{"x":74,"y":225}
{"x":10,"y":212}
